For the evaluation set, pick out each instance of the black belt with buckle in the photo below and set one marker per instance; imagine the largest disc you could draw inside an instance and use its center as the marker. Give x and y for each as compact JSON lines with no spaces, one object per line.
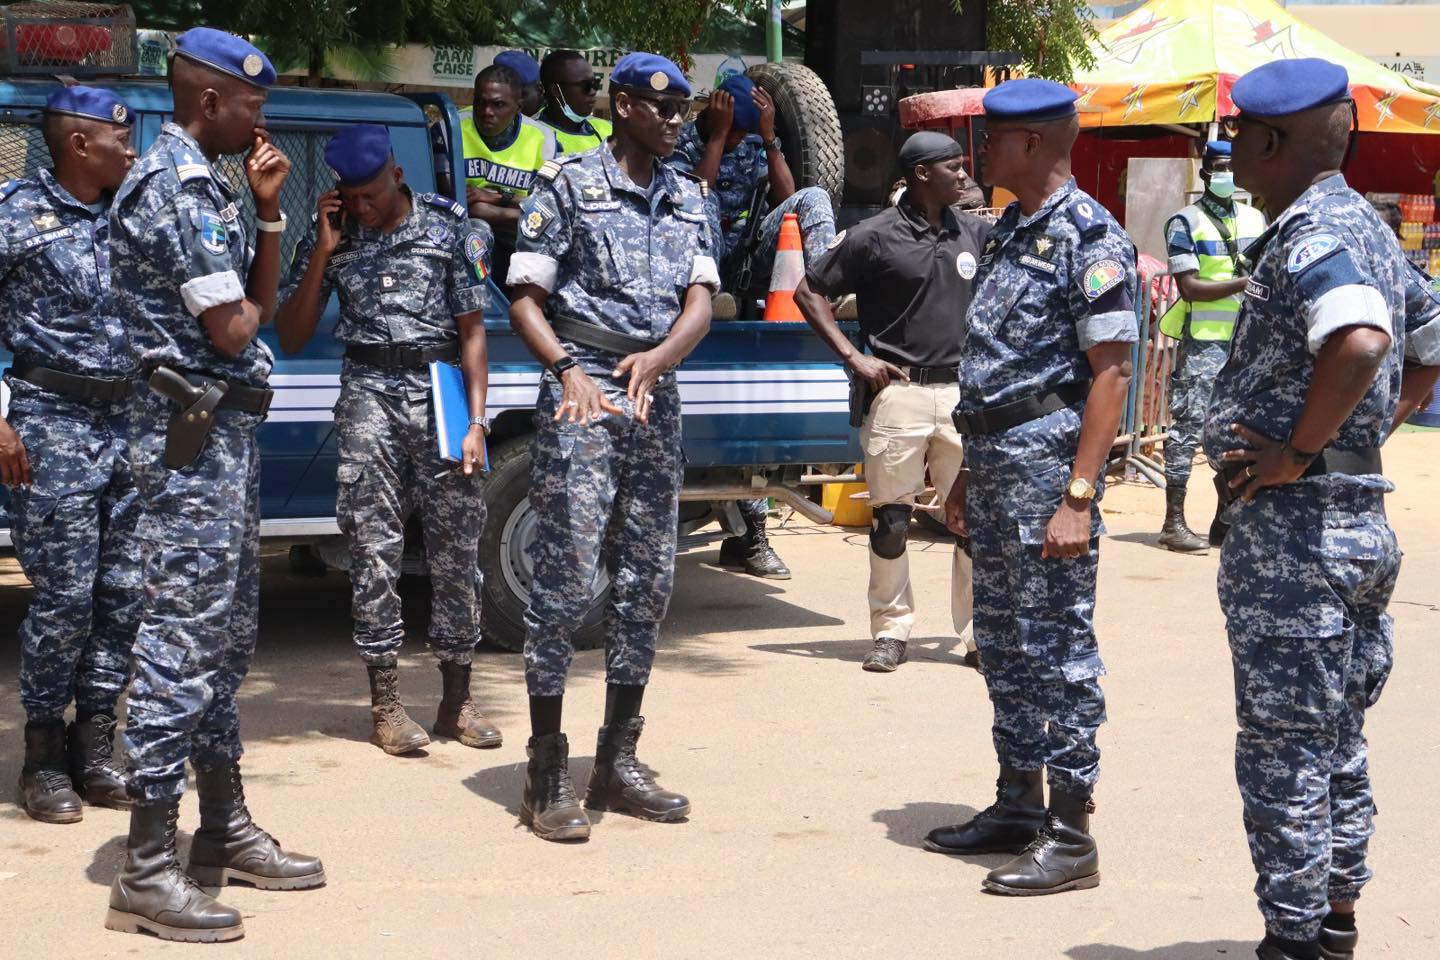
{"x":928,"y":375}
{"x":237,"y":396}
{"x":1353,"y":462}
{"x":105,"y":390}
{"x":601,"y":338}
{"x":401,"y":356}
{"x":1007,"y":415}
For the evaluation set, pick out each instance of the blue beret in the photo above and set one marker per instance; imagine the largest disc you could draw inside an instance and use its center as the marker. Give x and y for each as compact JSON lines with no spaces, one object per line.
{"x":358,"y":153}
{"x":227,"y":53}
{"x":1283,"y":87}
{"x":742,"y":88}
{"x":649,"y":71}
{"x":92,"y":103}
{"x":1030,"y":98}
{"x":1217,"y":148}
{"x":522,"y":63}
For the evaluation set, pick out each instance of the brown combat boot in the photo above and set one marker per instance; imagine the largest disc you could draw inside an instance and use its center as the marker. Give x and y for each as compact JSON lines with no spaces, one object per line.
{"x":458,"y":716}
{"x":152,"y":894}
{"x":229,"y":846}
{"x":394,"y":731}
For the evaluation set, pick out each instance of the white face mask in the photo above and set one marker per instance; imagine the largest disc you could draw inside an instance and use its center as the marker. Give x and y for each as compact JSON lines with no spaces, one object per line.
{"x":1222,"y":184}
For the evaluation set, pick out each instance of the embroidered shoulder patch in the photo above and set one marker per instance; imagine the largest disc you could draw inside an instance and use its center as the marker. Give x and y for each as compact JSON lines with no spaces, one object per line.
{"x":537,"y":221}
{"x":475,"y":254}
{"x":1310,"y":250}
{"x":212,"y":234}
{"x":1100,"y":276}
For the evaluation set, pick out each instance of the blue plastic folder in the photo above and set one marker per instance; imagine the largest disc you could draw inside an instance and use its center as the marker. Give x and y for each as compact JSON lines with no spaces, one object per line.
{"x":452,"y":412}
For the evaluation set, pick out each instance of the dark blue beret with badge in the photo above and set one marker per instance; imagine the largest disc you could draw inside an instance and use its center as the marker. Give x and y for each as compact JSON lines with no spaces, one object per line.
{"x":1283,"y":87}
{"x":1030,"y":98}
{"x":90,"y":103}
{"x":358,"y":153}
{"x":1217,"y":148}
{"x":650,"y":71}
{"x":522,"y":63}
{"x":227,"y":53}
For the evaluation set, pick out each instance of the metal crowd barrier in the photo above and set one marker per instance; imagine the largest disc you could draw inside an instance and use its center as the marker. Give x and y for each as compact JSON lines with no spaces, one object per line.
{"x":1152,"y":359}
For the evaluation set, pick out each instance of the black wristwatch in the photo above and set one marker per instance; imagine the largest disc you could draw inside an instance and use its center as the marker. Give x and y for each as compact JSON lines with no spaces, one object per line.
{"x":561,"y":365}
{"x":1298,"y":457}
{"x":773,"y":144}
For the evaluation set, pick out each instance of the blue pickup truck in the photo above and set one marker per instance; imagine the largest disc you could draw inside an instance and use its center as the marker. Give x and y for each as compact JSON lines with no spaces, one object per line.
{"x":762,"y":400}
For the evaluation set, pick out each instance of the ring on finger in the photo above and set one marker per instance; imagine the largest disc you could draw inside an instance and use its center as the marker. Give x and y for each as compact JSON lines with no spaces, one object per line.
{"x":1249,"y":472}
{"x":649,"y":398}
{"x":572,"y":403}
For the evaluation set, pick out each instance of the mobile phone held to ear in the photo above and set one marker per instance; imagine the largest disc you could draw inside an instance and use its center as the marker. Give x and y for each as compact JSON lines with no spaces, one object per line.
{"x":334,"y":219}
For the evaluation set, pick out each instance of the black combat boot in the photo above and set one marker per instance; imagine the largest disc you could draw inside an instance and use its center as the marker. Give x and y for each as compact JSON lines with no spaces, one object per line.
{"x":1006,"y":826}
{"x":97,"y":775}
{"x":1275,"y":948}
{"x":45,"y":791}
{"x":885,"y":656}
{"x":1338,"y":937}
{"x":1175,"y":535}
{"x":229,"y":846}
{"x":1061,"y":857}
{"x":393,"y":730}
{"x":751,"y":552}
{"x":152,"y":894}
{"x":549,"y":806}
{"x":458,"y":716}
{"x":620,"y":782}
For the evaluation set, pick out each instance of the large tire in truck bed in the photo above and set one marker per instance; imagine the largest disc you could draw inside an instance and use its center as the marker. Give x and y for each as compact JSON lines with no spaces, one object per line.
{"x":807,"y":124}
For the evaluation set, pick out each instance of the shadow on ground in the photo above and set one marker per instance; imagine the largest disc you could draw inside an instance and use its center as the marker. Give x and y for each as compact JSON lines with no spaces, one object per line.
{"x":1190,"y":950}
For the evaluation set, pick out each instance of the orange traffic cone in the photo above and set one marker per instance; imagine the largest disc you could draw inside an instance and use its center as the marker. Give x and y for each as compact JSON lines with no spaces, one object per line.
{"x":788,"y":272}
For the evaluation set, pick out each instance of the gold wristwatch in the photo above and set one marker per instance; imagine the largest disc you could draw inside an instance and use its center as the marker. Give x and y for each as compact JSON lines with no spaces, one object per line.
{"x":1081,"y":489}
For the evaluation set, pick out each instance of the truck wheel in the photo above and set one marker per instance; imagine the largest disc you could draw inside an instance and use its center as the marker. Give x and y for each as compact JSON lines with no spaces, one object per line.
{"x":505,"y":563}
{"x":807,"y":124}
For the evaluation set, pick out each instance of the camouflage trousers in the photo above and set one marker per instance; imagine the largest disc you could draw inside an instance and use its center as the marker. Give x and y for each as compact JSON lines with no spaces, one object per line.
{"x":609,"y":493}
{"x":1196,"y":367}
{"x":1306,"y":575}
{"x":200,"y":554}
{"x":389,"y":467}
{"x":74,"y":534}
{"x":812,"y":207}
{"x":1034,"y":617}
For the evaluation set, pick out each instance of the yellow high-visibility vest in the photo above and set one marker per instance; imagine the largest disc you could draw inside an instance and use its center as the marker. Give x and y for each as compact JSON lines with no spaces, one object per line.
{"x":512,"y":169}
{"x":1213,"y":319}
{"x":580,"y":142}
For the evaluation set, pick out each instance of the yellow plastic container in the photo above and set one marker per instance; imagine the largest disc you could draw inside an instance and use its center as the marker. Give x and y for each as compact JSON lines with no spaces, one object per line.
{"x":836,"y":497}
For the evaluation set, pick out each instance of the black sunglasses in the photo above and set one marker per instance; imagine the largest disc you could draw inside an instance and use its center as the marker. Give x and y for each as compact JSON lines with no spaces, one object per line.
{"x":1231,"y":125}
{"x":592,"y":85}
{"x":668,"y":108}
{"x":987,"y":135}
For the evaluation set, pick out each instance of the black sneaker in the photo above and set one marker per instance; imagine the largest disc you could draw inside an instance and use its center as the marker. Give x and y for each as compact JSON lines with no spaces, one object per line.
{"x":888,"y":654}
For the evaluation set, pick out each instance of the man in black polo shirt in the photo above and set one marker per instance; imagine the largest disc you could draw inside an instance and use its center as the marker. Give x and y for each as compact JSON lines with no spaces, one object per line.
{"x":910,"y":269}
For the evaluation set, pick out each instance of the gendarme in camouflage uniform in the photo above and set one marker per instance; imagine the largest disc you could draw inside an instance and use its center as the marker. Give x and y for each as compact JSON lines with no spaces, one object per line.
{"x":73,"y":526}
{"x":404,"y":287}
{"x":608,"y":490}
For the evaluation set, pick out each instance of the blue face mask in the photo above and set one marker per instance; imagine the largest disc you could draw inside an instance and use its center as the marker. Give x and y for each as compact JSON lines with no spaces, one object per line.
{"x":570,"y":115}
{"x":1222,"y":184}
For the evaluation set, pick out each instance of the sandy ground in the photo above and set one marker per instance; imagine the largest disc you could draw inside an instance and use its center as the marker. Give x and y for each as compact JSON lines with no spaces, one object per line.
{"x":813,"y":782}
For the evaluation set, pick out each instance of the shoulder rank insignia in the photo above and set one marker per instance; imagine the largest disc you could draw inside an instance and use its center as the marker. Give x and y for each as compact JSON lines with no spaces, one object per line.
{"x":444,"y":203}
{"x":1088,"y":217}
{"x":701,"y":182}
{"x":7,"y":188}
{"x":551,"y":168}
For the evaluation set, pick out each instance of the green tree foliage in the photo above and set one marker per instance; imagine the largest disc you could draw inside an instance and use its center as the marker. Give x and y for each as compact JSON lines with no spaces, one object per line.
{"x":669,"y":27}
{"x":1053,"y":37}
{"x":318,"y":33}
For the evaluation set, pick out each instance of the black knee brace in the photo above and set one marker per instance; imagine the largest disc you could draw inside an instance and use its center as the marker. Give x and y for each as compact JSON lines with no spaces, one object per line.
{"x":887,"y":531}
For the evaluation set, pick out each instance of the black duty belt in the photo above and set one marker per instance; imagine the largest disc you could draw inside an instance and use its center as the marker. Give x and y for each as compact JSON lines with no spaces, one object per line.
{"x":401,"y":356}
{"x":1007,"y":415}
{"x":928,"y":375}
{"x":1353,"y":462}
{"x":90,"y":389}
{"x":237,"y":396}
{"x":601,"y":338}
